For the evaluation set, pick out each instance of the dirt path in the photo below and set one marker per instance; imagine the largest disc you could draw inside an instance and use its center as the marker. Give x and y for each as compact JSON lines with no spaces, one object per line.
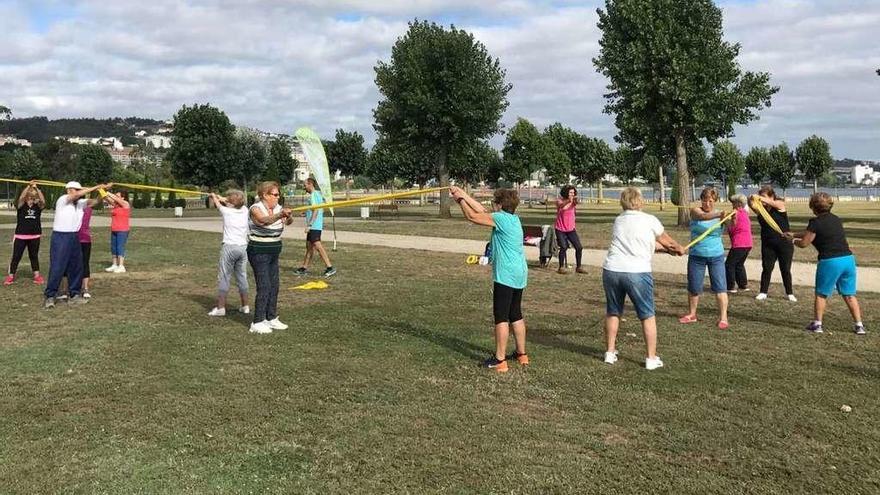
{"x":802,"y":273}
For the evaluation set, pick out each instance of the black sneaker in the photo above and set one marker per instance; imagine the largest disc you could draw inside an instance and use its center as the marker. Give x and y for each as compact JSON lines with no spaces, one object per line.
{"x":859,"y":329}
{"x":330,"y":271}
{"x":300,"y":271}
{"x":494,"y":364}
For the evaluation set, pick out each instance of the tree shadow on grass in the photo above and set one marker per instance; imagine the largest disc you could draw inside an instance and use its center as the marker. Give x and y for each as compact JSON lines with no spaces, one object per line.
{"x":463,"y":347}
{"x":541,"y":335}
{"x":858,"y":371}
{"x":208,"y":302}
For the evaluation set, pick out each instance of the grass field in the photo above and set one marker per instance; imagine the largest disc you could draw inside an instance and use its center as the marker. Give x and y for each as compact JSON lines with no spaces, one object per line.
{"x":376,"y":387}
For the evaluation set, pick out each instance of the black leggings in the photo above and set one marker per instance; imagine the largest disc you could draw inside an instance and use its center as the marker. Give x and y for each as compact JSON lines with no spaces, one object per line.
{"x":33,"y":249}
{"x":771,"y":251}
{"x":736,"y":268}
{"x":506,"y":303}
{"x":563,"y":239}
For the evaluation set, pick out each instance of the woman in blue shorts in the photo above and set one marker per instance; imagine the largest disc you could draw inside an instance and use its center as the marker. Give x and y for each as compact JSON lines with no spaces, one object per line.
{"x":708,"y":253}
{"x":837,"y":265}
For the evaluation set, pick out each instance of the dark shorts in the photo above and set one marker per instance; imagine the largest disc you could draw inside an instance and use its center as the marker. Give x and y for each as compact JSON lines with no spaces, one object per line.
{"x":506,"y":303}
{"x":313,"y":236}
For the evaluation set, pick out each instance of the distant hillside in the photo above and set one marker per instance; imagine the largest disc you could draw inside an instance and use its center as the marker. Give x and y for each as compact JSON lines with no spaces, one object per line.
{"x":41,"y":129}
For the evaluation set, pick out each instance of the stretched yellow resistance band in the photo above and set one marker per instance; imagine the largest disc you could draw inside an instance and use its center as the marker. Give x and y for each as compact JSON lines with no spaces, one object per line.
{"x":758,"y":206}
{"x":37,"y":182}
{"x":120,"y":184}
{"x":368,"y":199}
{"x":709,"y":230}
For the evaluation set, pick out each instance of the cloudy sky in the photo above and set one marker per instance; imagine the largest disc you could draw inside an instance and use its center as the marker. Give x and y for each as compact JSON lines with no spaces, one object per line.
{"x":277,"y":65}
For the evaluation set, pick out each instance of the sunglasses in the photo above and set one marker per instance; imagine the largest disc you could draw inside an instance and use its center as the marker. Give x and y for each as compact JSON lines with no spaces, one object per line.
{"x":274,"y":194}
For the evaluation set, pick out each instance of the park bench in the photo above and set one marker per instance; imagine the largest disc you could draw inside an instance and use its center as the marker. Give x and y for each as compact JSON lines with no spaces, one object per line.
{"x":388,"y":207}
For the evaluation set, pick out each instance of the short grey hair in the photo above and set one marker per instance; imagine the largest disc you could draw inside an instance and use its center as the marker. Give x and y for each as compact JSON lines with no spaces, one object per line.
{"x":738,"y":200}
{"x":235,"y":197}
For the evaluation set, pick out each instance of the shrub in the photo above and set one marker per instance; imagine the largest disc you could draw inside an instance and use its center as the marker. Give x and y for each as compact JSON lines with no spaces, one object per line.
{"x":157,"y":200}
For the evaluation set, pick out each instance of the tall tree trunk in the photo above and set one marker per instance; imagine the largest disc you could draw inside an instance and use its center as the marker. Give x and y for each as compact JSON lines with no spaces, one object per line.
{"x":662,"y":181}
{"x":443,"y":172}
{"x":599,"y":186}
{"x":815,"y":185}
{"x":684,"y":180}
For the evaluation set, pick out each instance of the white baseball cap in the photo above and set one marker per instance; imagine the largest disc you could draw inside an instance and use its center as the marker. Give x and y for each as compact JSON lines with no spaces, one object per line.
{"x":73,"y":185}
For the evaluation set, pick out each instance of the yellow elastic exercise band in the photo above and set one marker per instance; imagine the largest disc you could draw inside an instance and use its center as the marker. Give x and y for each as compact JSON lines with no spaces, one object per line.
{"x":758,"y":206}
{"x":37,"y":182}
{"x":158,"y":188}
{"x":368,"y":199}
{"x":709,"y":230}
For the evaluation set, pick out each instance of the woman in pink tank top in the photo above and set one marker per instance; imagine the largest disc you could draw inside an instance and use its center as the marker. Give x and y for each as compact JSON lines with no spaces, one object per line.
{"x":565,"y":228}
{"x":740,"y":231}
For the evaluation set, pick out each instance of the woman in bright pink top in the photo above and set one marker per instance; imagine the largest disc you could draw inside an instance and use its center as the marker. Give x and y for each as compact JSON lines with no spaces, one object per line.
{"x":565,"y":228}
{"x":740,"y":231}
{"x":120,"y":215}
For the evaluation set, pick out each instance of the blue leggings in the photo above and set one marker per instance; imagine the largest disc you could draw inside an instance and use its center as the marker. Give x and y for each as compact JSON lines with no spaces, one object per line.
{"x":117,"y":243}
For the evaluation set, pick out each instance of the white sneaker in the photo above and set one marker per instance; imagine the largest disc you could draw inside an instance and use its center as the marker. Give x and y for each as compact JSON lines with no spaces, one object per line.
{"x":261,"y":327}
{"x":86,"y":295}
{"x":761,"y":296}
{"x":653,"y":363}
{"x":217,"y":312}
{"x":277,"y":325}
{"x":119,"y":269}
{"x":111,"y":268}
{"x":792,"y":298}
{"x":611,"y":357}
{"x":245,"y":310}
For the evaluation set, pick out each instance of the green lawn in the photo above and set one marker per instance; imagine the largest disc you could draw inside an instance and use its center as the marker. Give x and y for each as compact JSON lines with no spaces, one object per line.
{"x":375,"y":388}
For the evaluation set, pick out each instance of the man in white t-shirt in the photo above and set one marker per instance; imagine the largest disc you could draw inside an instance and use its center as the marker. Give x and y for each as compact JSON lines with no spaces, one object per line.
{"x":627,"y":272}
{"x":65,"y":253}
{"x":233,"y":252}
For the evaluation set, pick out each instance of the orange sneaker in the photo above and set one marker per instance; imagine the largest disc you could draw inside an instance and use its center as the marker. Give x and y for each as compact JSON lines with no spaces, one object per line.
{"x":522,"y":359}
{"x":494,"y":364}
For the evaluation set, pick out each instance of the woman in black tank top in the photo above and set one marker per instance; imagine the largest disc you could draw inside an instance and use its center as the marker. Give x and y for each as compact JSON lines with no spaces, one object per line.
{"x":774,"y":246}
{"x":27,"y":232}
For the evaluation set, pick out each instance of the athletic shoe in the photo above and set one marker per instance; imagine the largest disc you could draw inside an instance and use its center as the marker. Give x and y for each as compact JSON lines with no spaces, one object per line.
{"x":119,"y":269}
{"x":562,"y":271}
{"x":261,"y":327}
{"x":653,"y":363}
{"x":761,"y":296}
{"x":111,"y":268}
{"x":746,"y":290}
{"x":217,"y":312}
{"x":61,"y":298}
{"x":814,"y":327}
{"x":300,"y":271}
{"x":859,"y":329}
{"x":792,"y":298}
{"x":39,"y":280}
{"x":494,"y":364}
{"x":9,"y":280}
{"x":611,"y":357}
{"x":522,"y":359}
{"x":723,"y":325}
{"x":77,"y":300}
{"x":245,"y":310}
{"x":86,"y":295}
{"x":329,"y":272}
{"x":49,"y":303}
{"x":581,"y":269}
{"x":732,"y":291}
{"x":277,"y":325}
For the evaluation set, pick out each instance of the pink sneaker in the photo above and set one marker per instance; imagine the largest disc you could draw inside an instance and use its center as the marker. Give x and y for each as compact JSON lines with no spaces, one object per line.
{"x":39,"y":280}
{"x":9,"y":279}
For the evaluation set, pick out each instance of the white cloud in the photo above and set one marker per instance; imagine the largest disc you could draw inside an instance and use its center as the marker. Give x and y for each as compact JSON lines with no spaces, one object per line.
{"x":276,"y":64}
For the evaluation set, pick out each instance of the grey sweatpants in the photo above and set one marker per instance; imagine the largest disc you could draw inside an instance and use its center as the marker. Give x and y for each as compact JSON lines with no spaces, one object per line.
{"x":233,"y":261}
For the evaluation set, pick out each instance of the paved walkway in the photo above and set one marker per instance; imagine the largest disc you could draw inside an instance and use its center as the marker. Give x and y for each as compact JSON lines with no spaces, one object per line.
{"x":802,"y":273}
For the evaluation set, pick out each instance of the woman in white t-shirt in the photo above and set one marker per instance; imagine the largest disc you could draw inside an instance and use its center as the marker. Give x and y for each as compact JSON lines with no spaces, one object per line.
{"x":233,"y":252}
{"x":627,"y":272}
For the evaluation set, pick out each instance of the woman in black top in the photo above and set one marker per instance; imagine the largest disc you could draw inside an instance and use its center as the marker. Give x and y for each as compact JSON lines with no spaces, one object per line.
{"x":27,"y":232}
{"x":774,"y":246}
{"x":837,"y":265}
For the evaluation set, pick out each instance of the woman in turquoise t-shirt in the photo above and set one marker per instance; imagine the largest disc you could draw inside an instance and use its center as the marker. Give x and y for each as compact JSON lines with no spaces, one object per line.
{"x":708,"y":253}
{"x":509,"y":270}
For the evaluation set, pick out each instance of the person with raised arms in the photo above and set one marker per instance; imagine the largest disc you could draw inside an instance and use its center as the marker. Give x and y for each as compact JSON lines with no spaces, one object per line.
{"x":233,"y":250}
{"x":266,"y":221}
{"x":837,"y":265}
{"x":65,"y":252}
{"x":627,"y":272}
{"x":774,"y":246}
{"x":566,"y":230}
{"x":740,"y":232}
{"x":509,"y":270}
{"x":708,"y":253}
{"x":120,"y":226}
{"x":28,"y":231}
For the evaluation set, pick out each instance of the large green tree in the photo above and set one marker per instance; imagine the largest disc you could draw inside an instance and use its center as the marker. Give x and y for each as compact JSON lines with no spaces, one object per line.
{"x":93,"y":164}
{"x":26,"y":165}
{"x":523,"y":152}
{"x":673,"y":79}
{"x":596,"y":160}
{"x":627,"y":163}
{"x":203,"y":145}
{"x":5,"y":112}
{"x":727,"y":164}
{"x":280,"y":163}
{"x":250,"y":157}
{"x":347,"y":153}
{"x":475,"y":163}
{"x":814,"y":159}
{"x":757,"y":164}
{"x":59,"y":156}
{"x":440,"y":91}
{"x":782,"y":166}
{"x":383,"y":162}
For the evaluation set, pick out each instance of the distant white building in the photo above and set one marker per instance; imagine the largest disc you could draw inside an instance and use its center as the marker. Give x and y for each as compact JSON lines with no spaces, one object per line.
{"x":14,"y":140}
{"x":864,"y":174}
{"x":113,"y":143}
{"x":123,"y":156}
{"x":157,"y":141}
